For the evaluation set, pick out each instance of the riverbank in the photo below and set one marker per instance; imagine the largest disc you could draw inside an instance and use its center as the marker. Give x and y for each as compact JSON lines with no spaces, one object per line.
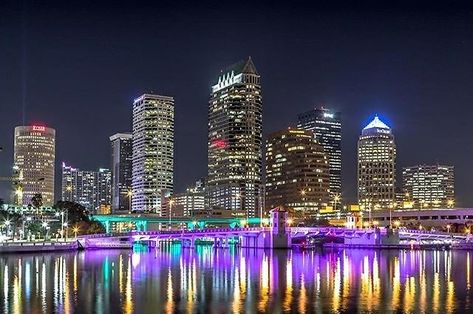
{"x":37,"y":246}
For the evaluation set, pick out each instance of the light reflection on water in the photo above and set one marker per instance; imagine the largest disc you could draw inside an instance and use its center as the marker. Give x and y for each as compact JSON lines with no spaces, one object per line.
{"x":204,"y":280}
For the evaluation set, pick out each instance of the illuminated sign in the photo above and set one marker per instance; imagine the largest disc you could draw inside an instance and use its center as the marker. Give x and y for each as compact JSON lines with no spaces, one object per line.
{"x":38,"y":128}
{"x":328,"y":115}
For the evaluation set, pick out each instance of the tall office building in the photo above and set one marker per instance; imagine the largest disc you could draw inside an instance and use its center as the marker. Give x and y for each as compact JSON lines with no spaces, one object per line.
{"x":327,"y":127}
{"x":235,"y":140}
{"x":85,"y":189}
{"x":104,"y":187}
{"x":376,"y":166}
{"x":68,"y":183}
{"x":91,"y":189}
{"x":297,"y":172}
{"x":429,"y":186}
{"x":34,"y":157}
{"x":121,"y":171}
{"x":153,"y":151}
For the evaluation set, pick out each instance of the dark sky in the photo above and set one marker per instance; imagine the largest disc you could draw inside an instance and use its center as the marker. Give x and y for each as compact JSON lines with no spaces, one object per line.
{"x":77,"y":65}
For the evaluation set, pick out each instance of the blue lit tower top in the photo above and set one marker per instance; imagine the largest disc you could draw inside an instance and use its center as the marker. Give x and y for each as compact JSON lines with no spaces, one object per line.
{"x":376,"y":126}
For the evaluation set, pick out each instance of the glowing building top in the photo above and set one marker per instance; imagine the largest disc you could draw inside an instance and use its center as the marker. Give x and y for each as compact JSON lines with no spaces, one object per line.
{"x":376,"y":126}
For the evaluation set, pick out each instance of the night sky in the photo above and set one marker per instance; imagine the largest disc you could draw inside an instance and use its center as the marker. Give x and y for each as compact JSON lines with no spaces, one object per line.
{"x":77,"y":65}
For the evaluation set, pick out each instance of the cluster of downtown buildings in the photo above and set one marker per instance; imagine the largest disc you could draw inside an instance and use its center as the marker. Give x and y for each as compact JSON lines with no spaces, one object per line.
{"x":298,"y":168}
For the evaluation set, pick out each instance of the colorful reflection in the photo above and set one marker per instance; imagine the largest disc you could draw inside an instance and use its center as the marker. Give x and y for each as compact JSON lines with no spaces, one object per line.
{"x":205,"y":280}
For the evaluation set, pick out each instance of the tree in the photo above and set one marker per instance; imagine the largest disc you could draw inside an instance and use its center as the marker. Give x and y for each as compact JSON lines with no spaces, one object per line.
{"x":78,"y":216}
{"x":75,"y":212}
{"x":95,"y":227}
{"x":37,"y":200}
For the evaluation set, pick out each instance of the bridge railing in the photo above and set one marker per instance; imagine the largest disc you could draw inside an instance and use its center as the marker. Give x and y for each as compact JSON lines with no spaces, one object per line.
{"x":198,"y":231}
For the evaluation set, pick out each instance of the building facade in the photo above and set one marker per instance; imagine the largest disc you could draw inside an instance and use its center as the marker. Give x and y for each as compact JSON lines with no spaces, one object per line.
{"x":235,"y":141}
{"x":297,"y":173}
{"x":34,"y":160}
{"x":429,"y":186}
{"x":327,"y":126}
{"x":104,"y":187}
{"x":122,"y":145}
{"x":153,"y":151}
{"x":376,"y":167}
{"x":91,"y":189}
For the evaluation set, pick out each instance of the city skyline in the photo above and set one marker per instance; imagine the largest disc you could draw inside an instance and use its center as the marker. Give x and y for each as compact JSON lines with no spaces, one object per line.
{"x":412,"y":95}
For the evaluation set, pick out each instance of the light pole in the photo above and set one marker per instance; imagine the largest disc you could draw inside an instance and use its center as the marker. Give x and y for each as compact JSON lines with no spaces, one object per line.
{"x":65,"y":225}
{"x":62,"y":222}
{"x":336,"y":198}
{"x":240,"y":197}
{"x":130,"y":195}
{"x":7,"y":227}
{"x":303,"y":193}
{"x":75,"y":230}
{"x":45,"y":226}
{"x":393,"y":206}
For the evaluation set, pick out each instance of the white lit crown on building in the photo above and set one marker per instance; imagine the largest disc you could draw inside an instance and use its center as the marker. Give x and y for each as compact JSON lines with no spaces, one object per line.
{"x":377,"y":124}
{"x":234,"y":74}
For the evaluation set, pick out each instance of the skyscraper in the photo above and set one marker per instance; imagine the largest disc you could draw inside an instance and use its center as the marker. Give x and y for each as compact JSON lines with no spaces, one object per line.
{"x":68,"y":183}
{"x":297,"y":172}
{"x":85,"y":189}
{"x":153,"y":151}
{"x":235,"y":140}
{"x":121,"y":171}
{"x":104,"y":187}
{"x":376,"y":166}
{"x":429,"y":186}
{"x":91,"y":189}
{"x":34,"y":157}
{"x":327,"y":127}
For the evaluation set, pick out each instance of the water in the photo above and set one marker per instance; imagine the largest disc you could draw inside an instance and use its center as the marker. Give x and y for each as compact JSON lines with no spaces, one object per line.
{"x":204,"y":280}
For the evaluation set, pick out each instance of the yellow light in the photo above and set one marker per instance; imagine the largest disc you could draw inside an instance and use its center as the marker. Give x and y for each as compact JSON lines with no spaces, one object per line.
{"x":290,"y":221}
{"x":397,"y":223}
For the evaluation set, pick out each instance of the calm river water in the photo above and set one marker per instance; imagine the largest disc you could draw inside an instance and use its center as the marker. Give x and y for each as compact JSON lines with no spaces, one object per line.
{"x":204,"y":280}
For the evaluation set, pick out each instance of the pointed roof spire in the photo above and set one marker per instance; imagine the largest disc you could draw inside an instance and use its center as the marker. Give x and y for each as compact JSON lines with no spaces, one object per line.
{"x":249,"y":67}
{"x":376,"y":123}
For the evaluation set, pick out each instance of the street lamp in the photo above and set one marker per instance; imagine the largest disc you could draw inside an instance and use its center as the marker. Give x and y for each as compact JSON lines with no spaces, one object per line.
{"x":65,"y":226}
{"x":129,"y":194}
{"x":448,"y":228}
{"x":7,"y":226}
{"x":45,"y":226}
{"x":75,"y":230}
{"x":336,"y":198}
